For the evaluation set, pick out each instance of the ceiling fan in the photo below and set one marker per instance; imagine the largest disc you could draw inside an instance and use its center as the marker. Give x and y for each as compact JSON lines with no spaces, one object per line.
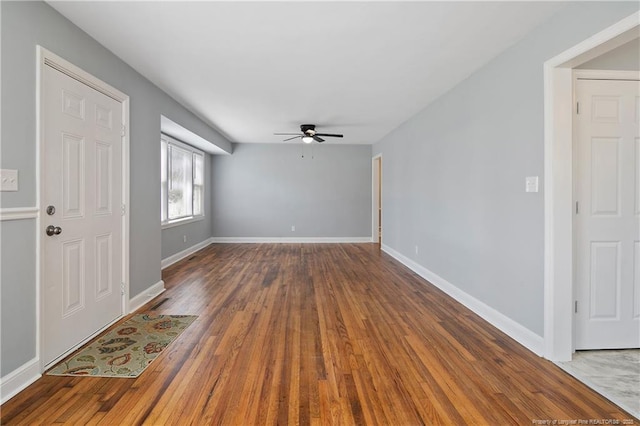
{"x":309,"y":134}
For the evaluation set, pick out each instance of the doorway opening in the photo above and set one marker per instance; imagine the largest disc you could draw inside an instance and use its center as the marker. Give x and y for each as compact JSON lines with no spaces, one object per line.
{"x":559,"y":182}
{"x":376,"y":233}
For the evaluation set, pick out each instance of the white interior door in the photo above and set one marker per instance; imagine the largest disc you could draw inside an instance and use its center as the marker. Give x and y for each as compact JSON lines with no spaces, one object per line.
{"x":82,"y":180}
{"x":607,"y":221}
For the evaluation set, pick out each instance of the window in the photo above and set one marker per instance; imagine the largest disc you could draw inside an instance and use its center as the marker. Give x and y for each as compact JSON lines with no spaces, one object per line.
{"x":182,"y":181}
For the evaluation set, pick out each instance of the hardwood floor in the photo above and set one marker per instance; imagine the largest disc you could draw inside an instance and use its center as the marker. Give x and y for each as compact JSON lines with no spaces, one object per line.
{"x":318,"y":334}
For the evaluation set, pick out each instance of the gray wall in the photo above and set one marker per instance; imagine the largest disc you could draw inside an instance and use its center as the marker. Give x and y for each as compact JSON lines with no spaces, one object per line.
{"x":454,"y":175}
{"x":624,"y":58}
{"x":196,"y":232}
{"x":18,"y":293}
{"x":25,"y":25}
{"x":263,"y":189}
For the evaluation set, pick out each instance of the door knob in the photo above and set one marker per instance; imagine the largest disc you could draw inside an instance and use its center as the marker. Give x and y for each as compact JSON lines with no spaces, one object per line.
{"x":53,"y":230}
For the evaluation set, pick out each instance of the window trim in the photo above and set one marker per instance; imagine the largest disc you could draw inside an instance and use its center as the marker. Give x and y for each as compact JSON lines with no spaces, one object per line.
{"x":182,"y":221}
{"x":164,"y":185}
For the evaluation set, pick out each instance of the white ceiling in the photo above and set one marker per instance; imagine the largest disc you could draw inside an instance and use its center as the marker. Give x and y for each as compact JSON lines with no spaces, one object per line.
{"x":250,"y":69}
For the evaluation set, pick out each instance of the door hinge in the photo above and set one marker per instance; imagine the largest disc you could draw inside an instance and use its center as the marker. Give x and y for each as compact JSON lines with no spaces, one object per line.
{"x":124,"y":131}
{"x":577,"y":107}
{"x":122,"y":287}
{"x":577,"y":208}
{"x":123,"y":209}
{"x":575,"y":306}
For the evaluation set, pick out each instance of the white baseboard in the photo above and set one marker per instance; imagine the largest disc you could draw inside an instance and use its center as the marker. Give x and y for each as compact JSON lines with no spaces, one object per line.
{"x":277,"y":240}
{"x":520,"y":334}
{"x":185,"y":253}
{"x":19,"y":379}
{"x":137,"y":301}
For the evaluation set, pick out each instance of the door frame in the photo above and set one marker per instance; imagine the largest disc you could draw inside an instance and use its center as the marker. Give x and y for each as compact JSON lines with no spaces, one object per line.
{"x":558,"y":181}
{"x":376,"y":186}
{"x":46,"y":58}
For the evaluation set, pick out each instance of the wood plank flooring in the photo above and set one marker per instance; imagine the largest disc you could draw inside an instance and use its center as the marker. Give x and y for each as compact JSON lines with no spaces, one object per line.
{"x":318,"y":334}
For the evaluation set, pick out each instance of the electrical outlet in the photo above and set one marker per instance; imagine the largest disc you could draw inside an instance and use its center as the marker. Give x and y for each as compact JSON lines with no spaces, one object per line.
{"x":184,"y":238}
{"x":416,"y":249}
{"x":293,"y":228}
{"x":8,"y":180}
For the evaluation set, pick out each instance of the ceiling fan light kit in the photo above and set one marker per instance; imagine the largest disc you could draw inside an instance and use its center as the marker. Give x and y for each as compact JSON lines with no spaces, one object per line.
{"x":309,"y":134}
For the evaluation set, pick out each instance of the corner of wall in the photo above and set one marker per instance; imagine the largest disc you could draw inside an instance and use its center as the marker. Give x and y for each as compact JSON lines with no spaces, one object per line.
{"x":136,"y":302}
{"x":185,"y":253}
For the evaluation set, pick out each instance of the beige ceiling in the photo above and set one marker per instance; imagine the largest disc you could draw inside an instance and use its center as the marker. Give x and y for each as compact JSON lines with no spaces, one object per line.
{"x":250,"y":69}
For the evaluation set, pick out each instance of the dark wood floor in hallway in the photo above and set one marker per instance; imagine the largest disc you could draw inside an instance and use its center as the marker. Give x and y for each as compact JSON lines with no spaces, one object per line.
{"x":317,"y":334}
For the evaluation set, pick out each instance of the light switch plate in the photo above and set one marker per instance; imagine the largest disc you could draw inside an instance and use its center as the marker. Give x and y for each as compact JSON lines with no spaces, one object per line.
{"x":531,"y":184}
{"x":8,"y":180}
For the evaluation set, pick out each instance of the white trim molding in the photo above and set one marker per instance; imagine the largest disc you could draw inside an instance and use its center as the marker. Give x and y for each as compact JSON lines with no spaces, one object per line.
{"x":288,"y":240}
{"x":181,"y":222}
{"x":18,"y":213}
{"x":558,"y":182}
{"x":19,"y":379}
{"x":581,"y":74}
{"x":185,"y":253}
{"x":516,"y":331}
{"x":146,"y":296}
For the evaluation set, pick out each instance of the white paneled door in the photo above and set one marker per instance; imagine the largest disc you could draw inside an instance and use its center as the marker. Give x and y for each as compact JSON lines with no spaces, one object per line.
{"x":607,"y":217}
{"x":81,"y":212}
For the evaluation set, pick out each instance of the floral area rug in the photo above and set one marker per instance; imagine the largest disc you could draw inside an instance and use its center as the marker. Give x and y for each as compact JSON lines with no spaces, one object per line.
{"x":126,"y":350}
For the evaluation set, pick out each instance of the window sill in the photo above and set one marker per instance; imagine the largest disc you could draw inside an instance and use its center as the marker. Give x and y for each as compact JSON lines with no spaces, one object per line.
{"x":184,"y":221}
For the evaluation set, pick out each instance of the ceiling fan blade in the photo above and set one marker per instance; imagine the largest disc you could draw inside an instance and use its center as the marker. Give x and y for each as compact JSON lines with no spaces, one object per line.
{"x":330,"y":135}
{"x":285,"y":134}
{"x":317,"y":139}
{"x":295,"y":137}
